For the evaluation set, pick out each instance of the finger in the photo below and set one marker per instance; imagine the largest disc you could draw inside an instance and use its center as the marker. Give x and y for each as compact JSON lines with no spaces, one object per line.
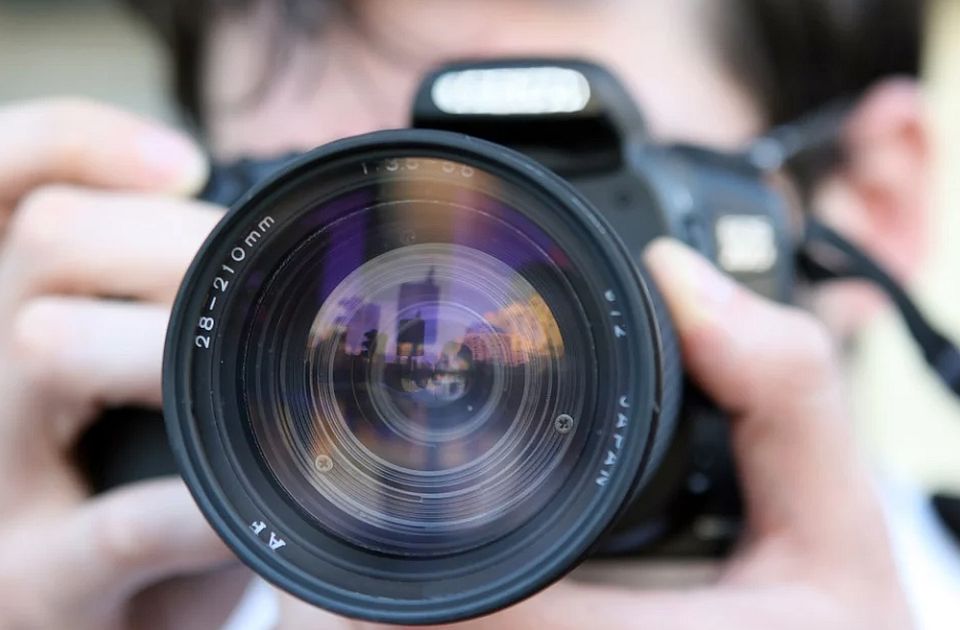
{"x":88,"y":354}
{"x":72,"y":140}
{"x":133,"y":536}
{"x":71,"y":240}
{"x":772,"y":367}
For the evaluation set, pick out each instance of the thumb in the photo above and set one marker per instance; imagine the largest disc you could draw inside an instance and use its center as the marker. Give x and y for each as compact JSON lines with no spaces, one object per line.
{"x":772,"y":368}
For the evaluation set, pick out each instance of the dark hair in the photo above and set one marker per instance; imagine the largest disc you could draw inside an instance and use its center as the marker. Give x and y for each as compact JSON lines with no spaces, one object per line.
{"x":797,"y":55}
{"x":793,"y":55}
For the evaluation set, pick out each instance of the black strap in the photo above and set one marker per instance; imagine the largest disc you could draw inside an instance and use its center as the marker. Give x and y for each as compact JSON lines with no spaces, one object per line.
{"x":948,"y":508}
{"x":826,"y":255}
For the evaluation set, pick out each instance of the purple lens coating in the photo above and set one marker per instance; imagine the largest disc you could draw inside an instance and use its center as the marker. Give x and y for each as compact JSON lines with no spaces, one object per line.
{"x":417,"y":367}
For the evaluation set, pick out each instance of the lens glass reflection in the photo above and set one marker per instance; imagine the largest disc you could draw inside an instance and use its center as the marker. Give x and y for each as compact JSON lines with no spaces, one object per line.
{"x":416,"y":371}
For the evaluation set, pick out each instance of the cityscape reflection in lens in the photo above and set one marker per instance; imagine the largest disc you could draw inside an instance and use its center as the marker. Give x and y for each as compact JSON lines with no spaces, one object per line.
{"x":430,"y":365}
{"x":437,"y":356}
{"x":408,"y":361}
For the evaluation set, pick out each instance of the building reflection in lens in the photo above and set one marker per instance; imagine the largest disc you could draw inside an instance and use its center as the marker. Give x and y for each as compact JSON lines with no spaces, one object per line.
{"x":437,"y":375}
{"x":420,"y":367}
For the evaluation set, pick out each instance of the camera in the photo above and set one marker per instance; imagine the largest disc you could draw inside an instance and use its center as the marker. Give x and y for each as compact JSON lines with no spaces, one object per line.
{"x":418,"y":375}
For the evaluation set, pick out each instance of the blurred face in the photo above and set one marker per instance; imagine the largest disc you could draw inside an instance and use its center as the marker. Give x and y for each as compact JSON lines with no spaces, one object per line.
{"x":360,"y":76}
{"x":272,"y":90}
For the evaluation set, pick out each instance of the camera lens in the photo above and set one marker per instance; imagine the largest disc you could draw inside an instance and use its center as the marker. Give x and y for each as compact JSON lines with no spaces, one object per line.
{"x":404,"y":367}
{"x":413,"y":378}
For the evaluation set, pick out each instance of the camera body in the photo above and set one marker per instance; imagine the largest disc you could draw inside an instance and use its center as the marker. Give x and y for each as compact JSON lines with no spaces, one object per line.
{"x":715,"y":202}
{"x":545,"y":118}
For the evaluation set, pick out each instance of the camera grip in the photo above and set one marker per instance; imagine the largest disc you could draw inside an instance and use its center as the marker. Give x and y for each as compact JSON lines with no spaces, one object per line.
{"x":125,"y":445}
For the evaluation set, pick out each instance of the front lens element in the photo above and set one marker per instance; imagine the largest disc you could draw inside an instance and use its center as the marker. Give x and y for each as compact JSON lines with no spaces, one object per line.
{"x":408,"y":361}
{"x":413,"y":378}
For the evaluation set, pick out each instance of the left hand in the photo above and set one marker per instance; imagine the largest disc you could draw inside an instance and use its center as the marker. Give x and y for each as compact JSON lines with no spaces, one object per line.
{"x":96,"y":231}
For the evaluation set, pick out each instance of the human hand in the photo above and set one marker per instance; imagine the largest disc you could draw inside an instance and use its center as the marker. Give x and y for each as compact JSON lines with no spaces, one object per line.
{"x":96,"y":235}
{"x":817,"y":555}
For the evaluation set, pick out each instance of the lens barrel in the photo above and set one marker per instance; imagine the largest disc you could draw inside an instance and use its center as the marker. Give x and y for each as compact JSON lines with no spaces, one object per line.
{"x":414,"y":377}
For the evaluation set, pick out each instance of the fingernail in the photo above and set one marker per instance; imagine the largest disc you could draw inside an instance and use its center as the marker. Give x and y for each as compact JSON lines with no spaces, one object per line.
{"x":695,"y":290}
{"x":174,"y":159}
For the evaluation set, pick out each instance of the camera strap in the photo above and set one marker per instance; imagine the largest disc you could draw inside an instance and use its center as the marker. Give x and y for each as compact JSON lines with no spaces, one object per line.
{"x":826,"y":255}
{"x":806,"y":148}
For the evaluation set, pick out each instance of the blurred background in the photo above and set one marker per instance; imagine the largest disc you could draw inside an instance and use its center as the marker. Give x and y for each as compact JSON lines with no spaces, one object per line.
{"x":80,"y":47}
{"x":907,"y":420}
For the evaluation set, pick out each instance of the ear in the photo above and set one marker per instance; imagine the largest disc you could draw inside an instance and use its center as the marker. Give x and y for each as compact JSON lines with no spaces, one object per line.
{"x":879,"y":198}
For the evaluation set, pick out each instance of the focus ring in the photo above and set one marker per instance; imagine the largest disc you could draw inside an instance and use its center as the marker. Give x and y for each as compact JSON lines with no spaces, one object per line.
{"x":671,"y":370}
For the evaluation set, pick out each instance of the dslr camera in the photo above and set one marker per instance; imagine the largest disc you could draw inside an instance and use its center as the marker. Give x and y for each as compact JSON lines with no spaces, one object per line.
{"x":418,"y":375}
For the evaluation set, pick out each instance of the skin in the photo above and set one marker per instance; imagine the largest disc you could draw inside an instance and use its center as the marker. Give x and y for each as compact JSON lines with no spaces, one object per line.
{"x":95,"y":205}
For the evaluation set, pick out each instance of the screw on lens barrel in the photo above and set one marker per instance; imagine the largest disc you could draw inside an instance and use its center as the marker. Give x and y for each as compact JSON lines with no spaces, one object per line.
{"x":323,"y":463}
{"x":563,"y":423}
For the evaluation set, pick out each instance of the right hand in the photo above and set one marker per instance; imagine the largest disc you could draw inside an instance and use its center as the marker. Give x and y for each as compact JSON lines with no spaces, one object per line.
{"x":817,"y":554}
{"x":96,"y":232}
